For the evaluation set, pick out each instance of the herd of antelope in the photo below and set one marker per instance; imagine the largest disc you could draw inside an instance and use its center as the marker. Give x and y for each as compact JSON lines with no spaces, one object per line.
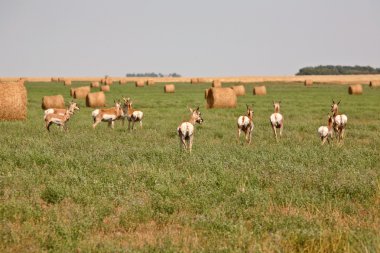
{"x":336,"y":122}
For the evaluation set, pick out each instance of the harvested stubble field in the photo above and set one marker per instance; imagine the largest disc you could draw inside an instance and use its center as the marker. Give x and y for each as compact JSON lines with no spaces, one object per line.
{"x":109,"y":190}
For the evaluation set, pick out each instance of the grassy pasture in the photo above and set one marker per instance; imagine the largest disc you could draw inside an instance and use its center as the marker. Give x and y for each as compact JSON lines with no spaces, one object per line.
{"x":109,"y":190}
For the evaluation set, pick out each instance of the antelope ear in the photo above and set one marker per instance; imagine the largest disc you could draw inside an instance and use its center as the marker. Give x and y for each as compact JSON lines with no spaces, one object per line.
{"x":279,"y":102}
{"x":247,"y":106}
{"x":191,"y":110}
{"x":338,"y":102}
{"x":197,"y":108}
{"x":333,"y":101}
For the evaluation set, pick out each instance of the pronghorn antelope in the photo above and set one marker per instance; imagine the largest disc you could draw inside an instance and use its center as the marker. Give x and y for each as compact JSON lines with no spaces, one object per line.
{"x":58,"y":119}
{"x":339,"y":120}
{"x":186,"y":129}
{"x":245,"y":124}
{"x":107,"y":115}
{"x":72,"y":107}
{"x":131,"y":114}
{"x":326,"y":132}
{"x":276,"y":119}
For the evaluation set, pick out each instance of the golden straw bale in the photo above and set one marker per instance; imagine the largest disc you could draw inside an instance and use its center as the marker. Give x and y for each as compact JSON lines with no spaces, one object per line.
{"x":96,"y":99}
{"x":108,"y":81}
{"x":105,"y":88}
{"x":239,"y":90}
{"x":194,"y":80}
{"x":53,"y":102}
{"x":67,"y":82}
{"x":54,"y":79}
{"x":216,"y":84}
{"x":140,"y":83}
{"x":94,"y":84}
{"x":260,"y":90}
{"x":81,"y":92}
{"x":308,"y":82}
{"x":169,"y":88}
{"x":150,"y":82}
{"x":122,"y":81}
{"x":221,"y":98}
{"x":13,"y":100}
{"x":374,"y":84}
{"x":355,"y":89}
{"x":202,"y":80}
{"x":206,"y":93}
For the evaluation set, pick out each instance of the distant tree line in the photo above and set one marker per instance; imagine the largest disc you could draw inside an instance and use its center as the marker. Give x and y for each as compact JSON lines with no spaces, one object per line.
{"x":152,"y":74}
{"x":338,"y":70}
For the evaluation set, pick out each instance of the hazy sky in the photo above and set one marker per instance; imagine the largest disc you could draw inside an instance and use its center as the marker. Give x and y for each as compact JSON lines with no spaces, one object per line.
{"x":192,"y":38}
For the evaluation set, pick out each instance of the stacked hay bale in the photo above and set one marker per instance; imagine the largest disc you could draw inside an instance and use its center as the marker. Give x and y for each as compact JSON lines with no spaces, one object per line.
{"x":221,"y":98}
{"x":216,"y":84}
{"x":140,"y":83}
{"x":105,"y":88}
{"x":56,"y":101}
{"x":373,"y":84}
{"x":80,"y":92}
{"x":260,"y":90}
{"x":308,"y":82}
{"x":239,"y":90}
{"x":13,"y":101}
{"x":96,"y":99}
{"x":356,"y":89}
{"x":169,"y":88}
{"x":94,"y":84}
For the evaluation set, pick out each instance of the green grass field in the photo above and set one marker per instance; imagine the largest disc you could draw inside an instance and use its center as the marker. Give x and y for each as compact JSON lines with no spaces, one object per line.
{"x":106,"y":190}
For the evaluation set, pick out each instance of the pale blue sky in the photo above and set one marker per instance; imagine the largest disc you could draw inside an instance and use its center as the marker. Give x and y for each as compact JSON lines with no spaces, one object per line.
{"x":193,"y":38}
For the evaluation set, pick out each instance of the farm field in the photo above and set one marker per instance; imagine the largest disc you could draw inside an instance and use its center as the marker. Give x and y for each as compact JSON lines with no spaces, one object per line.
{"x":103,"y":190}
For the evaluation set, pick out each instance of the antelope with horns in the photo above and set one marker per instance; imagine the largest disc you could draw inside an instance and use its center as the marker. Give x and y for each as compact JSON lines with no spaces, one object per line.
{"x":276,"y":119}
{"x":131,"y":114}
{"x":72,"y":107}
{"x":108,"y":115}
{"x":326,"y":132}
{"x":245,"y":124}
{"x":57,"y":119}
{"x":186,"y":129}
{"x":339,"y":120}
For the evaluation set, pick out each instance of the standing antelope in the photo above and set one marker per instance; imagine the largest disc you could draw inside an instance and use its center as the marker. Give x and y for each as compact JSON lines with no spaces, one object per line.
{"x":58,"y":119}
{"x":339,"y":120}
{"x":72,"y":107}
{"x":108,"y":115}
{"x":326,"y":132}
{"x":131,"y":114}
{"x":276,"y":119}
{"x":245,"y":124}
{"x":186,"y":129}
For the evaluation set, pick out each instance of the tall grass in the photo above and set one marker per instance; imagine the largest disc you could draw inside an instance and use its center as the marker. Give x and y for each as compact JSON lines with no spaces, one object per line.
{"x":116,"y":190}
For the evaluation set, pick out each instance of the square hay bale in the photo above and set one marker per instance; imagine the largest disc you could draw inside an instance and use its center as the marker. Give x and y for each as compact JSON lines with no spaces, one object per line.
{"x":56,"y":101}
{"x":13,"y":101}
{"x":221,"y":98}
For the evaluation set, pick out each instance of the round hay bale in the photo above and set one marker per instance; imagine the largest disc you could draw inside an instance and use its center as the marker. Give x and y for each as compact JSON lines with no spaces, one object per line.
{"x":67,"y":82}
{"x":105,"y":88}
{"x":150,"y":82}
{"x":13,"y":100}
{"x":194,"y":80}
{"x":355,"y":89}
{"x":221,"y":98}
{"x":55,"y":79}
{"x":239,"y":90}
{"x":374,"y":84}
{"x":108,"y":81}
{"x":53,"y":102}
{"x":308,"y":82}
{"x":81,"y":92}
{"x":202,"y":80}
{"x":216,"y":84}
{"x":260,"y":90}
{"x":94,"y":84}
{"x":169,"y":88}
{"x":96,"y":99}
{"x":140,"y":83}
{"x":122,"y":81}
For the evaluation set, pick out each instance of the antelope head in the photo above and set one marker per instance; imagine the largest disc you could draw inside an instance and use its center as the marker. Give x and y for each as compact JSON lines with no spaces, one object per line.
{"x":249,"y":111}
{"x":276,"y":106}
{"x":196,"y":115}
{"x":334,"y":106}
